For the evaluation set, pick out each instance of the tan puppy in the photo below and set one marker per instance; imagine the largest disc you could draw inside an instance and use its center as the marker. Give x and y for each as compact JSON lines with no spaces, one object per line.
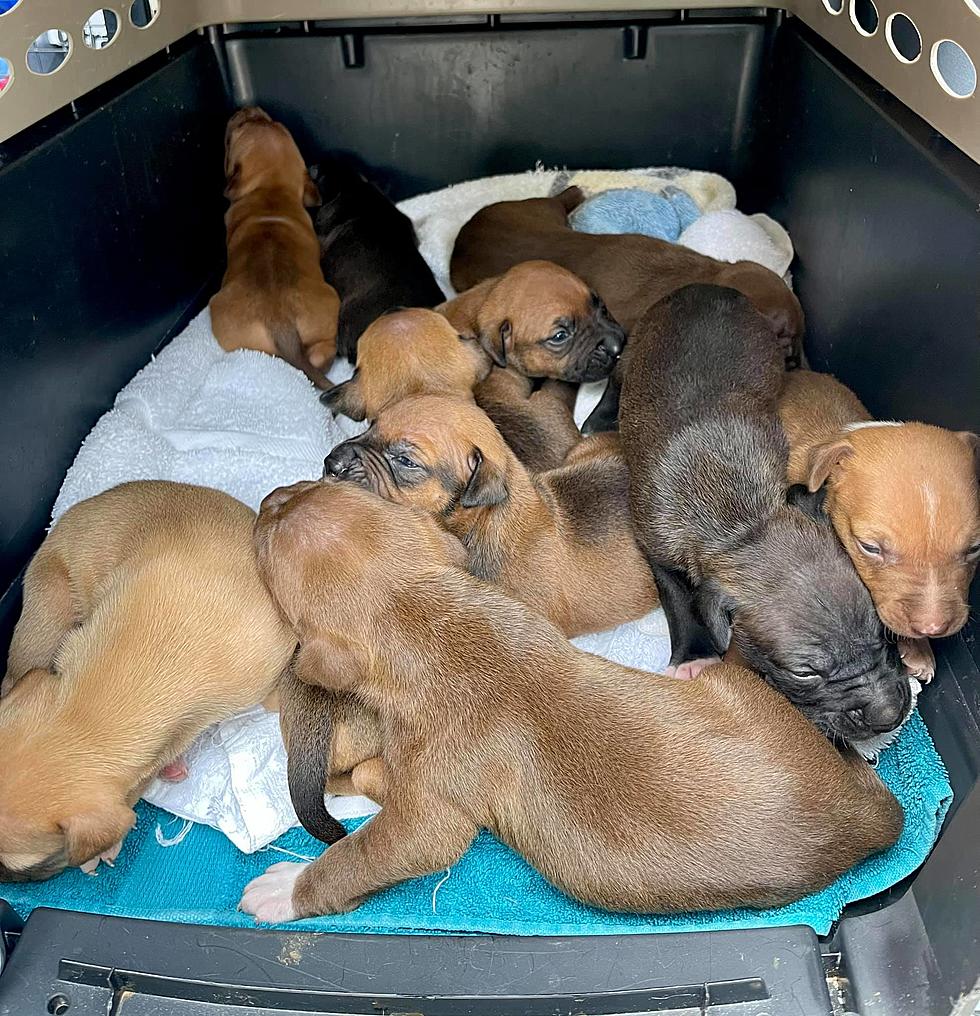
{"x":419,"y":352}
{"x":541,"y":320}
{"x":903,"y":500}
{"x":273,"y":297}
{"x":626,"y":790}
{"x":144,"y":622}
{"x":562,"y":542}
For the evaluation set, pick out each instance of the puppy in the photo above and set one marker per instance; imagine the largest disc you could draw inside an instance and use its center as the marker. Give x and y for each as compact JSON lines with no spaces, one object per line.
{"x":419,"y":352}
{"x":629,"y":272}
{"x":144,"y":622}
{"x":903,"y":499}
{"x":273,"y":297}
{"x":562,"y":541}
{"x":588,"y":769}
{"x":707,"y":462}
{"x":541,"y":320}
{"x":368,"y":251}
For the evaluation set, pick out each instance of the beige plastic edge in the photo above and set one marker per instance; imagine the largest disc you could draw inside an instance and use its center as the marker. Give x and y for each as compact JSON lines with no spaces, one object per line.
{"x":30,"y":97}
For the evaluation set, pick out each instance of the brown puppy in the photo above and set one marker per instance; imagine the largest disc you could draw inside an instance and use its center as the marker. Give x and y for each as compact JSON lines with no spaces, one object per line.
{"x":419,"y":352}
{"x":144,"y":622}
{"x":562,"y":541}
{"x":273,"y":297}
{"x":629,"y":272}
{"x":541,"y":320}
{"x":626,"y":790}
{"x":903,"y":499}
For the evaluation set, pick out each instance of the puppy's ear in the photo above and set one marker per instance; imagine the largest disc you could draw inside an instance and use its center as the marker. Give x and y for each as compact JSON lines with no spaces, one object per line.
{"x":823,"y":459}
{"x":88,"y":833}
{"x":233,"y":183}
{"x":571,"y":198}
{"x":331,"y":660}
{"x":311,"y":193}
{"x":486,"y":485}
{"x":346,"y":399}
{"x":973,"y":443}
{"x":809,"y":502}
{"x":716,"y":607}
{"x":498,"y":343}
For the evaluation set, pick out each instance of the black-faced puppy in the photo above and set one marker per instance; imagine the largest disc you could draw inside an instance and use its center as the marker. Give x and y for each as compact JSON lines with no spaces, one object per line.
{"x":586,"y":768}
{"x":368,"y":252}
{"x":542,"y":321}
{"x":562,"y":541}
{"x":708,"y":493}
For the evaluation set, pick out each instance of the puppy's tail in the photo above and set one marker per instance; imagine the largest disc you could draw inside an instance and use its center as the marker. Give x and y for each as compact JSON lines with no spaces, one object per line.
{"x":305,"y":714}
{"x":291,"y":349}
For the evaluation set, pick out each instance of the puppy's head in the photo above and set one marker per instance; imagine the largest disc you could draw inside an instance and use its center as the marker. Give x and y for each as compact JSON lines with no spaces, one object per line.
{"x":442,"y":455}
{"x":259,"y":152}
{"x":330,"y":554}
{"x":408,"y":352}
{"x":904,"y":501}
{"x":55,"y":812}
{"x":801,"y":617}
{"x":544,"y":321}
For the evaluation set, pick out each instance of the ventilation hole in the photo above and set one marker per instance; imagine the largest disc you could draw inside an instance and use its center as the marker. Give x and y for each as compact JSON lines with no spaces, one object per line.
{"x":6,"y":74}
{"x":144,"y":12}
{"x":864,"y":15}
{"x":100,"y":29}
{"x":58,"y":1005}
{"x":834,"y":6}
{"x":903,"y":37}
{"x":49,"y":51}
{"x":6,"y":6}
{"x":954,"y":69}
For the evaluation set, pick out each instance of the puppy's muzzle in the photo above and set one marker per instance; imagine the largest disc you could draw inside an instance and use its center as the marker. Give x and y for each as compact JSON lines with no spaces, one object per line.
{"x":604,"y":356}
{"x":344,"y":463}
{"x":886,"y":708}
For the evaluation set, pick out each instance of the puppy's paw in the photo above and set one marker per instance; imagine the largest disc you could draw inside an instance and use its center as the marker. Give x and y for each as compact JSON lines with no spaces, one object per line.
{"x":689,"y":671}
{"x":106,"y":857}
{"x":919,"y":659}
{"x":269,"y":898}
{"x":175,"y":772}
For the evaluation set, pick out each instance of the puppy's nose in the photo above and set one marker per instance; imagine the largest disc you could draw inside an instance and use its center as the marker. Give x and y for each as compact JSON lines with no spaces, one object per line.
{"x":933,"y":628}
{"x":612,"y":343}
{"x":339,"y":460}
{"x":887,"y":712}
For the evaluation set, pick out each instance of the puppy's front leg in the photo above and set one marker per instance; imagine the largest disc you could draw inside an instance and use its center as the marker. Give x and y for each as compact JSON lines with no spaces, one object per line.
{"x":405,"y":840}
{"x":919,"y":659}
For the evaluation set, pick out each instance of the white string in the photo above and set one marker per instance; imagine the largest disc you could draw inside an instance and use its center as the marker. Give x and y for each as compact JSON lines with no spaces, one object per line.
{"x":173,"y":840}
{"x":438,"y":886}
{"x":283,"y":850}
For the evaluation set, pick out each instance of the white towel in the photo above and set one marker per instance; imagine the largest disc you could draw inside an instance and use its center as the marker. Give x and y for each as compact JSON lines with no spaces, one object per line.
{"x":245,"y":423}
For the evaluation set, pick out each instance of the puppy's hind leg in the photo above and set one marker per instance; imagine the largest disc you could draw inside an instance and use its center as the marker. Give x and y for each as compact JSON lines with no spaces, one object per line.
{"x":408,"y":838}
{"x":49,"y":614}
{"x":691,"y":646}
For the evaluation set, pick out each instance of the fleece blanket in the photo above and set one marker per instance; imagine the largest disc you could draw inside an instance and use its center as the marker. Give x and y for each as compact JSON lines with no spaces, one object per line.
{"x":199,"y":880}
{"x":245,"y":423}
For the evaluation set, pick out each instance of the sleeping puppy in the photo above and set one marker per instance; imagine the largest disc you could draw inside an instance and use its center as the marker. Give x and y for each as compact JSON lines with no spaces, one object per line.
{"x":629,"y":272}
{"x":273,"y":297}
{"x":542,"y":321}
{"x":903,"y":499}
{"x":562,"y":541}
{"x":418,"y":352}
{"x":144,"y":622}
{"x":368,"y":251}
{"x":586,"y":768}
{"x":708,"y":494}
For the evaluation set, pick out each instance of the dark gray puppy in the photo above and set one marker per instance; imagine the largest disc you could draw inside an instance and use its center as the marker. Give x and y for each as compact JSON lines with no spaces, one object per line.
{"x":731,"y":548}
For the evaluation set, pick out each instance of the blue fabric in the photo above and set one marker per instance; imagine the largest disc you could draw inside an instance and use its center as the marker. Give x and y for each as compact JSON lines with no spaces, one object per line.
{"x":633,"y":210}
{"x":199,"y":881}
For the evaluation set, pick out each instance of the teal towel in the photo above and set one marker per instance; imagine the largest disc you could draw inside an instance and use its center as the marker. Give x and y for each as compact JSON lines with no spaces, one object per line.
{"x":200,"y":879}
